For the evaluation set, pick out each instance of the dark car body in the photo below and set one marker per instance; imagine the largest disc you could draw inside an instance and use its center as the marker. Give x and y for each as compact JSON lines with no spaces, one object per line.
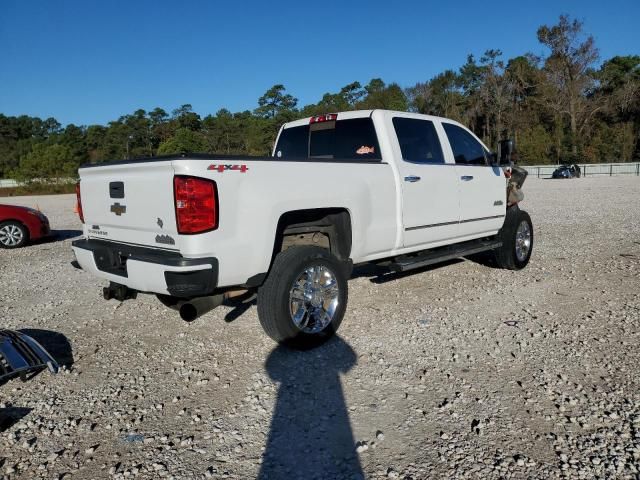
{"x":36,"y":223}
{"x":566,"y":171}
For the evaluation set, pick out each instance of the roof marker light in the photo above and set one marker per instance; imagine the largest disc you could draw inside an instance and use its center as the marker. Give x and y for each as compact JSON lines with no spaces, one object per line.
{"x":327,"y":117}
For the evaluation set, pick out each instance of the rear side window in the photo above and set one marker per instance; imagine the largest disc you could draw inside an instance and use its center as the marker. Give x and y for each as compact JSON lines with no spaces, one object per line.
{"x":466,"y":149}
{"x":418,"y":140}
{"x":293,"y":142}
{"x":352,"y":139}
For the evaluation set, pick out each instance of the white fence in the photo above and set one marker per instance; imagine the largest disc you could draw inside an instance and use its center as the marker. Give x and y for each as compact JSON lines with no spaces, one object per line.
{"x":588,"y":169}
{"x":7,"y":183}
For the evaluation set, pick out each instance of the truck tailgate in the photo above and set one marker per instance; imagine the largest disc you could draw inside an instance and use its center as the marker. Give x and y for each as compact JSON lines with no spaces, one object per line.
{"x":132,"y":203}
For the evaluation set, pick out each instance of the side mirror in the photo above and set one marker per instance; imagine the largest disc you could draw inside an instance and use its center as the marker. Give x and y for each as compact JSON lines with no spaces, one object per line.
{"x":505,"y":151}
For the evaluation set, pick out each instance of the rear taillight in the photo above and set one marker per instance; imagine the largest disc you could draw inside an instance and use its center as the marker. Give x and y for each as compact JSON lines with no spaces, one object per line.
{"x":196,"y":204}
{"x":79,"y":202}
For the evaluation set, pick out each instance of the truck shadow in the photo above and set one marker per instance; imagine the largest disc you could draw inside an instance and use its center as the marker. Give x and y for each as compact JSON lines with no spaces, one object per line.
{"x":240,"y":306}
{"x":310,"y":434}
{"x":377,"y":274}
{"x":486,"y":259}
{"x":58,"y":236}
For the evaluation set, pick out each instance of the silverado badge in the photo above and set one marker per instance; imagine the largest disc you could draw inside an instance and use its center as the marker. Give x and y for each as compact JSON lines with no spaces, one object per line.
{"x":118,"y":209}
{"x":224,"y":168}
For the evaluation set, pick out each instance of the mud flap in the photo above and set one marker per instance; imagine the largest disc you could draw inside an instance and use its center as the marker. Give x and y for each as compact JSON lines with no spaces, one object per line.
{"x":516,"y":177}
{"x":20,"y":355}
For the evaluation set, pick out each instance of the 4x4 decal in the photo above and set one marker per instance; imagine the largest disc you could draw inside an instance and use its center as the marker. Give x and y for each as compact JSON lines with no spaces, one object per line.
{"x":221,"y":168}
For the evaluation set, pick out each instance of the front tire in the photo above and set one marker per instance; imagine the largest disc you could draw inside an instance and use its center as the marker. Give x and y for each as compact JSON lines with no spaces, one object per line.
{"x":13,"y":234}
{"x":304,"y":298}
{"x":517,"y":240}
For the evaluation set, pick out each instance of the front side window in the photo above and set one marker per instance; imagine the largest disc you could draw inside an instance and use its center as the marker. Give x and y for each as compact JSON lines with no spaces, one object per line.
{"x":418,"y":140}
{"x":466,"y":149}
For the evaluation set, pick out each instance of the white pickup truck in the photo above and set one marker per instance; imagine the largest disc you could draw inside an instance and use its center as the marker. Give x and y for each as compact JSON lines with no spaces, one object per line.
{"x":398,"y":189}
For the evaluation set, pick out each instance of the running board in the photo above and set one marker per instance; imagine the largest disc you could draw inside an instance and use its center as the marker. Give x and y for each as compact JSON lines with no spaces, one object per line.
{"x":442,"y":254}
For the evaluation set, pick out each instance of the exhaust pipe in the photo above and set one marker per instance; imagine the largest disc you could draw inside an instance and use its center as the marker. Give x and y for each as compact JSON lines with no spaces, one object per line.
{"x":191,"y":309}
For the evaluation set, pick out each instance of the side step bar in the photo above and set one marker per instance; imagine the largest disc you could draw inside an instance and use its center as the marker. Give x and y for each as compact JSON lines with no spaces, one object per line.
{"x":20,"y":354}
{"x":442,"y":254}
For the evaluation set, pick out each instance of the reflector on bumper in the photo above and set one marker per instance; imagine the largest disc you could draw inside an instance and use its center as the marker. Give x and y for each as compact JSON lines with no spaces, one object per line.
{"x":20,"y":354}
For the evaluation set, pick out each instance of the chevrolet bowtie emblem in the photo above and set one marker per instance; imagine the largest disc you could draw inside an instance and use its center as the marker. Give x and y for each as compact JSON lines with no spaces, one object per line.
{"x":118,"y":209}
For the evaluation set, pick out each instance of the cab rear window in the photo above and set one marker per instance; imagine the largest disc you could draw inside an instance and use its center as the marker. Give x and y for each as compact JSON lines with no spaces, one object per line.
{"x":351,"y":139}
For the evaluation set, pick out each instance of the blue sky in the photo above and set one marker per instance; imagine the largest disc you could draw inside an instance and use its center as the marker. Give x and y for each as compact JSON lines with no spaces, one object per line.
{"x":87,"y":62}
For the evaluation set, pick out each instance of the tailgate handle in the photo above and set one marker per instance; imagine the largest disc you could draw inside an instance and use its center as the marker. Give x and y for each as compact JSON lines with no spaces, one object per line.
{"x":116,"y":189}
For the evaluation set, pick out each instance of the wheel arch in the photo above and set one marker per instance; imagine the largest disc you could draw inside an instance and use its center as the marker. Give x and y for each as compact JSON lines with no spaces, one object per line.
{"x":24,"y":224}
{"x":21,"y":222}
{"x":332,"y":223}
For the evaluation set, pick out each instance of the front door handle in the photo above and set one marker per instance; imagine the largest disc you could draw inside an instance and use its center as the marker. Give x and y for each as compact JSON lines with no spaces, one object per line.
{"x":412,"y":178}
{"x":466,"y":178}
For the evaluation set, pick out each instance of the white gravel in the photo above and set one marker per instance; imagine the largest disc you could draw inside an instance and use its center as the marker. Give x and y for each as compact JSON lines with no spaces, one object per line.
{"x":459,"y":371}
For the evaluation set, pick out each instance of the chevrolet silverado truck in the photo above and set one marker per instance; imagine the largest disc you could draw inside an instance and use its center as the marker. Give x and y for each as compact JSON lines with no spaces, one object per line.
{"x":397,"y":189}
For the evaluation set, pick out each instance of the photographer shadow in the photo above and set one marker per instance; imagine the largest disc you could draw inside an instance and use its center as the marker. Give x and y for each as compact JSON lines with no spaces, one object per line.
{"x":9,"y":416}
{"x":310,"y":436}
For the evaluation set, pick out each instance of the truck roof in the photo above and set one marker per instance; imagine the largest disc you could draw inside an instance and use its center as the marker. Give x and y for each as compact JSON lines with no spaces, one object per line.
{"x":365,"y":113}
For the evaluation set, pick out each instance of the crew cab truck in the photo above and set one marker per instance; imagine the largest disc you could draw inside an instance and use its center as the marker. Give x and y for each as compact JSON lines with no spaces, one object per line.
{"x":399,"y":189}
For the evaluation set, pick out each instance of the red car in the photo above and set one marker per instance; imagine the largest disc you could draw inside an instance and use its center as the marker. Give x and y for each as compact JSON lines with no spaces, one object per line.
{"x":19,"y":225}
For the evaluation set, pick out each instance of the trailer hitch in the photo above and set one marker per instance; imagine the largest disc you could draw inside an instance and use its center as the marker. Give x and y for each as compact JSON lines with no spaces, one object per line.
{"x":119,"y":292}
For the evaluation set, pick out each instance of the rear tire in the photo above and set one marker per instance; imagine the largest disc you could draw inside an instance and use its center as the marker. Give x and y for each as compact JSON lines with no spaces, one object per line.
{"x":13,"y":234}
{"x":304,"y":298}
{"x":517,"y":240}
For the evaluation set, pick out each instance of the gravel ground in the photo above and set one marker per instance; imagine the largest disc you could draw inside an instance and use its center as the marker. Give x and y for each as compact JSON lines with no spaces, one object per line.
{"x":459,"y":371}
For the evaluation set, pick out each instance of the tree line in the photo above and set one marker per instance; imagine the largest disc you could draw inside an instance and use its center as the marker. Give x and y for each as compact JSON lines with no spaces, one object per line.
{"x":564,"y":106}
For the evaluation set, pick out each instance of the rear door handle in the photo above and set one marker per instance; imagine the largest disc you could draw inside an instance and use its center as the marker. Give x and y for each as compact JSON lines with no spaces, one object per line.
{"x":412,"y":178}
{"x":466,"y":178}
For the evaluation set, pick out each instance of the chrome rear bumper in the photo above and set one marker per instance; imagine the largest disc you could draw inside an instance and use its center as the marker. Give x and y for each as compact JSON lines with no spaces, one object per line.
{"x":20,"y":354}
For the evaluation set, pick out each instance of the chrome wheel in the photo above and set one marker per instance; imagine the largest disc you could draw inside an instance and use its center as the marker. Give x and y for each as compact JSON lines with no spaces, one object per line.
{"x":523,"y":240}
{"x":11,"y":235}
{"x":313,"y":299}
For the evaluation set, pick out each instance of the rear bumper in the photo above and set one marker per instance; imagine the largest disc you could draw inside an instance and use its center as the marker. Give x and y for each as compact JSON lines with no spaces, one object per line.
{"x":147,"y":269}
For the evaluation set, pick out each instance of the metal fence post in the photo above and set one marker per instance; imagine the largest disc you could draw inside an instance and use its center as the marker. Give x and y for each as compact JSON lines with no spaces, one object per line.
{"x":638,"y":169}
{"x":611,"y":169}
{"x":538,"y":172}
